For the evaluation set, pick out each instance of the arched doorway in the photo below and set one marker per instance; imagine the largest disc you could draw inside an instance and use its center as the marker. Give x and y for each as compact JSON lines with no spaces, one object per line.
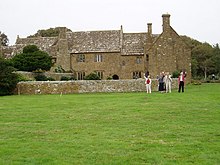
{"x":115,"y":77}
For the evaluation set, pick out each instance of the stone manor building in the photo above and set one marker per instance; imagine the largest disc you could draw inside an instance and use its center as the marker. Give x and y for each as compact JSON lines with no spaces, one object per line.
{"x":113,"y":53}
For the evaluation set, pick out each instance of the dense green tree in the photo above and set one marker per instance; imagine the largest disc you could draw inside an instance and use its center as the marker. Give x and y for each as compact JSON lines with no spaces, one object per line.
{"x":202,"y":54}
{"x":3,"y":39}
{"x":205,"y":58}
{"x":32,"y":59}
{"x":51,"y":32}
{"x":30,"y":49}
{"x":8,"y":79}
{"x":216,"y":58}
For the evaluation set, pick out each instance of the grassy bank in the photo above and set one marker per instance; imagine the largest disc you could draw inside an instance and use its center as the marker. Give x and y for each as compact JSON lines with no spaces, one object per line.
{"x":112,"y":128}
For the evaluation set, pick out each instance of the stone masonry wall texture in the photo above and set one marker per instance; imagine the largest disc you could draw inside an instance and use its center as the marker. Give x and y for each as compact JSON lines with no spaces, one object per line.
{"x":85,"y":86}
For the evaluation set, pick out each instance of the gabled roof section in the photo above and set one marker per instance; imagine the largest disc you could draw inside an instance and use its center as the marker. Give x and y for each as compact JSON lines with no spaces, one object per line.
{"x":94,"y":41}
{"x":157,"y":37}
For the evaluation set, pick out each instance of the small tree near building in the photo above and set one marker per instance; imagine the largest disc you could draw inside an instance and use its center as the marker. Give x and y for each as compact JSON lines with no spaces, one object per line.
{"x":32,"y":59}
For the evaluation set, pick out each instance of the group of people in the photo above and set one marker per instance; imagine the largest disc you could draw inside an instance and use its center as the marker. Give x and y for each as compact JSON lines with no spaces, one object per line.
{"x":165,"y":82}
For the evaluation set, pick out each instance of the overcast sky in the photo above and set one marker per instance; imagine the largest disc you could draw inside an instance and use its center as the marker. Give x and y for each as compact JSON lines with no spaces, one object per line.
{"x":198,"y":19}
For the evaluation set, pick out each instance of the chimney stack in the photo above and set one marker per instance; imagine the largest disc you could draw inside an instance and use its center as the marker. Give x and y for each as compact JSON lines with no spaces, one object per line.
{"x":149,"y":29}
{"x":62,"y":34}
{"x":166,"y":22}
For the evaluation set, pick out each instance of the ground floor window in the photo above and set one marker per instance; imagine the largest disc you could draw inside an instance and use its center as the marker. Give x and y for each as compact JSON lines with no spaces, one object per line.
{"x":80,"y":75}
{"x":100,"y":74}
{"x":136,"y":74}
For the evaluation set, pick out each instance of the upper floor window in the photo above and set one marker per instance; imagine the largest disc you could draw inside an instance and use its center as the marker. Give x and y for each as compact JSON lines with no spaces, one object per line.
{"x":147,"y":57}
{"x":138,"y":60}
{"x":81,"y":58}
{"x":98,"y":58}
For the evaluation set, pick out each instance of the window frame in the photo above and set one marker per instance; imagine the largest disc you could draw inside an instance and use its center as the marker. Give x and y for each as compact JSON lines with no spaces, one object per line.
{"x":98,"y":58}
{"x":136,"y":74}
{"x":81,"y":58}
{"x":81,"y":75}
{"x":99,"y":73}
{"x":138,"y":60}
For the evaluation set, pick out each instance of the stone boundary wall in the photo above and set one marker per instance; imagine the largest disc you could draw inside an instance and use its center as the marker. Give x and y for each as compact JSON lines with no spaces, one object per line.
{"x":56,"y":76}
{"x":85,"y":86}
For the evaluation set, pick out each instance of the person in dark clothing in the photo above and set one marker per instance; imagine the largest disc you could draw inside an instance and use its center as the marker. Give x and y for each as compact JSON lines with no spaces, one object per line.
{"x":161,"y":82}
{"x":181,"y":81}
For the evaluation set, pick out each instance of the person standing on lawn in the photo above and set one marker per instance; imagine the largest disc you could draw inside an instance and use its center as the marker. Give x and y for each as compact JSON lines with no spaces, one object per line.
{"x":161,"y":82}
{"x":168,"y":82}
{"x":148,"y":83}
{"x":181,"y":81}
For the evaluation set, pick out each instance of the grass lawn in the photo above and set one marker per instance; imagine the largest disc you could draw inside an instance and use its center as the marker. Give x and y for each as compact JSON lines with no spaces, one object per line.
{"x":112,"y":128}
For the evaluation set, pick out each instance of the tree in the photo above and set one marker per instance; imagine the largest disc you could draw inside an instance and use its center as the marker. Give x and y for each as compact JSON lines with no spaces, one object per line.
{"x":216,"y":58}
{"x":51,"y":32}
{"x":32,"y":59}
{"x":203,"y":53}
{"x":3,"y":39}
{"x":205,"y":58}
{"x":8,"y":79}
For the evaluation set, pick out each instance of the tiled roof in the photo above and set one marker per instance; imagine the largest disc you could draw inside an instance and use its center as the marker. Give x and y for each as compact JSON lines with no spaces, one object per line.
{"x":94,"y":41}
{"x":44,"y":43}
{"x":133,"y":43}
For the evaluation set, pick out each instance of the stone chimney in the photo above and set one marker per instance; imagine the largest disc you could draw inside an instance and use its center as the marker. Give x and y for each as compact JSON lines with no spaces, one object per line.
{"x":63,"y":56}
{"x":62,"y":34}
{"x":121,"y":37}
{"x":166,"y":22}
{"x":149,"y":29}
{"x":149,"y":34}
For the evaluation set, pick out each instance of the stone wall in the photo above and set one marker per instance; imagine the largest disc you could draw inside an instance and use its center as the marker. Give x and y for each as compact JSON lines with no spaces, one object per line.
{"x":56,"y":76}
{"x":85,"y":86}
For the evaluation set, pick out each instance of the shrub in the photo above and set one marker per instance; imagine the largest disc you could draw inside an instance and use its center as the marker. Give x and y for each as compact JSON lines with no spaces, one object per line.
{"x":92,"y":76}
{"x":59,"y":69}
{"x":109,"y":78}
{"x":64,"y":78}
{"x":22,"y":78}
{"x":41,"y":77}
{"x":175,"y":74}
{"x":50,"y":79}
{"x":196,"y":82}
{"x":72,"y":78}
